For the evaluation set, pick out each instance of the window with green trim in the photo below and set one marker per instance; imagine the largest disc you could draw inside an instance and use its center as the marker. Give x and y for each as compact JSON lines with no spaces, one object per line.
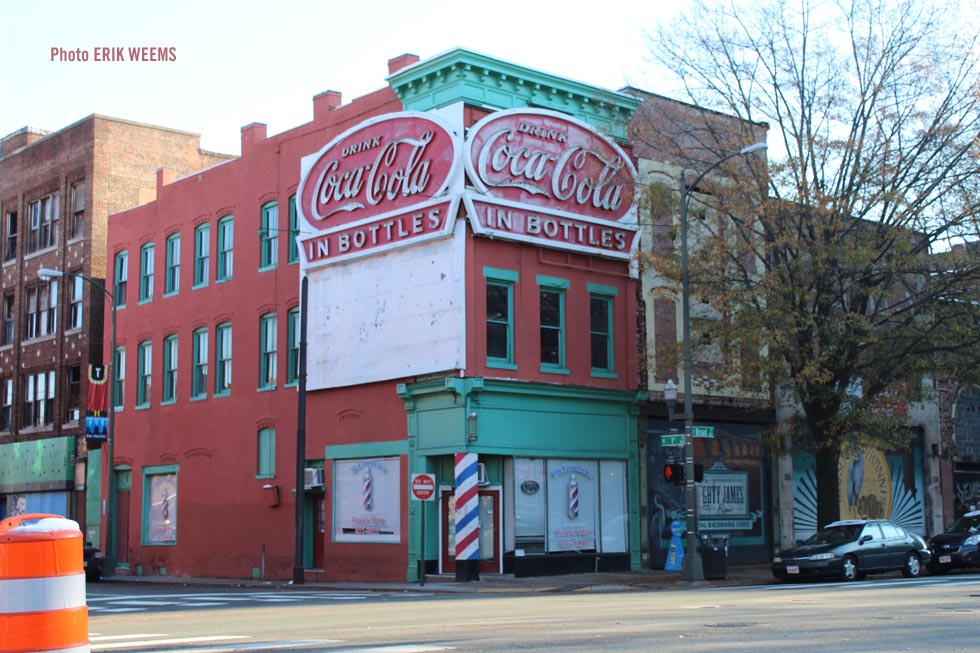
{"x":122,"y":276}
{"x":266,"y":453}
{"x":119,"y":377}
{"x":222,"y":359}
{"x":268,"y":351}
{"x":601,"y":300}
{"x":269,"y":235}
{"x":551,"y":313}
{"x":202,"y":254}
{"x":199,"y":371}
{"x":160,"y":505}
{"x":146,"y":272}
{"x":171,"y":283}
{"x":169,"y":370}
{"x":144,"y":373}
{"x":226,"y":242}
{"x":292,"y":358}
{"x":500,"y":317}
{"x":293,"y":255}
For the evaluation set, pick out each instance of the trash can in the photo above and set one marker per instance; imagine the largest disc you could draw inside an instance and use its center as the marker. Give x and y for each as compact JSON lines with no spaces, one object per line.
{"x":714,"y":556}
{"x":42,"y":585}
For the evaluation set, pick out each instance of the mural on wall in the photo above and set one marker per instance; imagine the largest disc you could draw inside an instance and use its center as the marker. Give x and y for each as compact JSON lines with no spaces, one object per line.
{"x":873,"y":485}
{"x":26,"y":503}
{"x":731,"y":495}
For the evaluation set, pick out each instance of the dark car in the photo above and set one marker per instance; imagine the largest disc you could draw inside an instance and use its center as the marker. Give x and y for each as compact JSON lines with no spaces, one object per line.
{"x":93,"y":562}
{"x":850,"y":549}
{"x":958,"y":547}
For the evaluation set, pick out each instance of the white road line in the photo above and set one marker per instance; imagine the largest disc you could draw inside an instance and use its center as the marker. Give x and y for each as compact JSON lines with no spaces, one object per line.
{"x":172,"y":640}
{"x":95,"y":637}
{"x":397,"y":648}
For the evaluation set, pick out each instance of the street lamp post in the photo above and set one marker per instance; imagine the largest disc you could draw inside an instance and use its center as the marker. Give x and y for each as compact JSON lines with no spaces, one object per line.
{"x":693,"y":569}
{"x":110,"y":523}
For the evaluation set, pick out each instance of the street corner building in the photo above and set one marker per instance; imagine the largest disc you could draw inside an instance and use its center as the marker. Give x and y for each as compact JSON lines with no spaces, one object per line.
{"x":434,"y":282}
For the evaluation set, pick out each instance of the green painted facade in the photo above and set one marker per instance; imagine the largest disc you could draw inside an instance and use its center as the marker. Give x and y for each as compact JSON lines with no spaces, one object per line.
{"x":515,"y":419}
{"x":478,"y":80}
{"x":37,"y":465}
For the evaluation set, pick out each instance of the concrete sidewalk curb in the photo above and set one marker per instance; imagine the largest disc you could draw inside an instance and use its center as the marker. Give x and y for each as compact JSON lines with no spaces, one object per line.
{"x":644,"y":580}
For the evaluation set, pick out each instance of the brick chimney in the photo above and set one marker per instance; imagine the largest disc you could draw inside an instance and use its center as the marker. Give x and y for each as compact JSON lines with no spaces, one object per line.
{"x":325,"y":102}
{"x":165,"y":176}
{"x":401,"y":61}
{"x":252,"y":134}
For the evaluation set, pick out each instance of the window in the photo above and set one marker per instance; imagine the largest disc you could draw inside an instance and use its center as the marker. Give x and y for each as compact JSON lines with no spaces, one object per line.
{"x":38,"y":399}
{"x":8,"y":319}
{"x":43,"y":229}
{"x":202,"y":248}
{"x":293,"y":255}
{"x":292,"y":358}
{"x":500,"y":317}
{"x":366,"y":504}
{"x":169,"y":370}
{"x":269,"y":235}
{"x":171,"y":282}
{"x":551,"y":311}
{"x":119,"y":377}
{"x":42,"y":310}
{"x":122,"y":276}
{"x":268,"y":351}
{"x":6,"y":403}
{"x":10,"y":233}
{"x":266,"y":453}
{"x":222,"y":358}
{"x":601,"y":329}
{"x":199,"y":375}
{"x":76,"y":228}
{"x":75,"y":303}
{"x":73,"y":393}
{"x":160,"y":505}
{"x":144,"y":374}
{"x":226,"y":241}
{"x":146,"y":272}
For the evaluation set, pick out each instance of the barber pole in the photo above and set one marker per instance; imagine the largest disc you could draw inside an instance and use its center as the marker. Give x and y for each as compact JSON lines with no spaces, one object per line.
{"x":467,"y":508}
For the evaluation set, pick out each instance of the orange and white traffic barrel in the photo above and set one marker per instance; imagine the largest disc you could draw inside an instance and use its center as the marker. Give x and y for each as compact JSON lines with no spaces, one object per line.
{"x":42,"y":586}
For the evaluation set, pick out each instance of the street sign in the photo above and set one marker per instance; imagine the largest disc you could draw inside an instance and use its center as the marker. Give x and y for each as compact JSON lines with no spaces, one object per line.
{"x":702,"y":431}
{"x":423,"y":487}
{"x":671,"y":440}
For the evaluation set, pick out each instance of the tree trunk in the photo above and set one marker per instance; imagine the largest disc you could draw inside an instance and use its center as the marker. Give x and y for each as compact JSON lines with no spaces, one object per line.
{"x":828,"y":487}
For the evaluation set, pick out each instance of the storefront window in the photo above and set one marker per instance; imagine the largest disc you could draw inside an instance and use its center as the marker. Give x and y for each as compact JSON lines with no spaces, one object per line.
{"x":366,"y":500}
{"x":160,"y":506}
{"x":565,"y":506}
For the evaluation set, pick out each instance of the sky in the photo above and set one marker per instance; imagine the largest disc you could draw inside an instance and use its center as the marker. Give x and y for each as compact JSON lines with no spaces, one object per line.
{"x":235,"y":63}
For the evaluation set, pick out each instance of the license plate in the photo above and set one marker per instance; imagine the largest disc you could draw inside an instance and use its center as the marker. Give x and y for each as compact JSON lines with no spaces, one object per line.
{"x":792,"y":569}
{"x":945,"y":560}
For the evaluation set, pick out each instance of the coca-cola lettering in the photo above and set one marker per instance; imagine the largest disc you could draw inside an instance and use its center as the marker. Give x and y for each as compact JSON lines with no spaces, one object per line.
{"x":551,"y":161}
{"x":383,"y":165}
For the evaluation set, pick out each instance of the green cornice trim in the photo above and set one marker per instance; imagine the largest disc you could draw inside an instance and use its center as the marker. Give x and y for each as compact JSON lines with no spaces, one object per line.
{"x":366,"y":450}
{"x":465,"y":76}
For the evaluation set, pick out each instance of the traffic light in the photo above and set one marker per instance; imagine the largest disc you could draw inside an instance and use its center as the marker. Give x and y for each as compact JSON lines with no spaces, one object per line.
{"x":674,"y":473}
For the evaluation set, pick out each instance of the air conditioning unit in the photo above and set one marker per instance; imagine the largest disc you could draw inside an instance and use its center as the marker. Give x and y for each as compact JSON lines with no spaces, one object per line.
{"x":312,"y":477}
{"x":481,"y":474}
{"x":74,"y":415}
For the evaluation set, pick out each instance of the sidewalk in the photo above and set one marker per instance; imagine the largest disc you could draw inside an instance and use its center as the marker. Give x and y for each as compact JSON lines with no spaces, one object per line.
{"x":647,"y":579}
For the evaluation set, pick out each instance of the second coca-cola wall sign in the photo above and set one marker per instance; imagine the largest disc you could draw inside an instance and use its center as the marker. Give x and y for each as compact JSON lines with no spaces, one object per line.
{"x":545,"y":177}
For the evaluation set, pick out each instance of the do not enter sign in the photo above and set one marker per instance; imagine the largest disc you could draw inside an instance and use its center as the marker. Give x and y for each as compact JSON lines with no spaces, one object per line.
{"x":423,"y":487}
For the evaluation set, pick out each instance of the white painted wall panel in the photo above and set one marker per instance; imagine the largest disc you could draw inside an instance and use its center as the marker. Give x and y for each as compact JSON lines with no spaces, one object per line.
{"x":389,"y":316}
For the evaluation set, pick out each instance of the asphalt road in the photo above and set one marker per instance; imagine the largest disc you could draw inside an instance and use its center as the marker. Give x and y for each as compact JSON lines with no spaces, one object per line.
{"x":881,"y":615}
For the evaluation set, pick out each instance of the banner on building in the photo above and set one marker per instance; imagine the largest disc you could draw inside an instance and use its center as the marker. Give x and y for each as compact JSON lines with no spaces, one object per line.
{"x":97,"y":405}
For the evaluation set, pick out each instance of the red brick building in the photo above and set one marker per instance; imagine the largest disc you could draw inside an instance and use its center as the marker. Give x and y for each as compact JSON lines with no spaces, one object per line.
{"x":467,"y":236}
{"x":56,"y":192}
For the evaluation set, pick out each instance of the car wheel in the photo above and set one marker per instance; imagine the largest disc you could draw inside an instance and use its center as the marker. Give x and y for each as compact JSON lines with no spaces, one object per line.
{"x":850,"y":568}
{"x":913,"y":566}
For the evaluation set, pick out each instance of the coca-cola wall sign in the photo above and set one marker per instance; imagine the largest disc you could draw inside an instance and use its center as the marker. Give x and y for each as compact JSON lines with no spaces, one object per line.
{"x":547,"y":178}
{"x":533,"y":175}
{"x":381,"y":184}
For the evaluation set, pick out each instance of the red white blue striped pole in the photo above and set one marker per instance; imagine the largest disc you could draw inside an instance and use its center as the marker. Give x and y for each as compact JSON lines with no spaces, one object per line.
{"x":467,"y":517}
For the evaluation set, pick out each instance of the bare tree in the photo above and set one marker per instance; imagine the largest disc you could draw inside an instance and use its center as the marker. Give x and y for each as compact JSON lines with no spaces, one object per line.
{"x":841,"y":262}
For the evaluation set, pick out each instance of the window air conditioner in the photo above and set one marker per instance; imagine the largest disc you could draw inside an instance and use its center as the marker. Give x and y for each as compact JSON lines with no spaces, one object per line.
{"x":481,"y":474}
{"x":312,"y":477}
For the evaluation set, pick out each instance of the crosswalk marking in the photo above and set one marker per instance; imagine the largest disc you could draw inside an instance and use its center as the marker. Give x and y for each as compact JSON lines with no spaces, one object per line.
{"x":106,"y":604}
{"x":233,"y":644}
{"x":109,"y":646}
